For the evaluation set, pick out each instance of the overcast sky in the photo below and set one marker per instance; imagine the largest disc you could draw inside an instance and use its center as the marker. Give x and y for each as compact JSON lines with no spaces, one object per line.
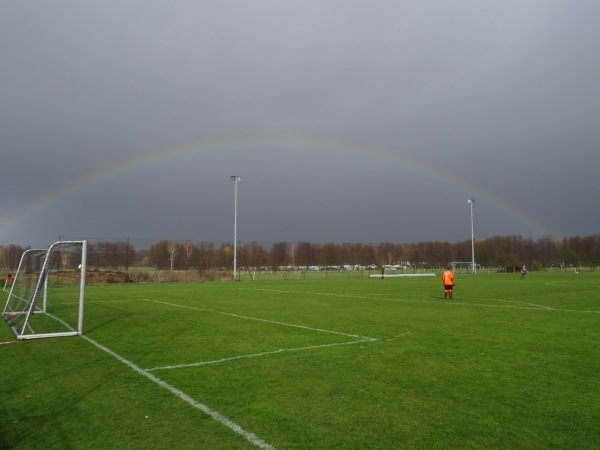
{"x":349,"y":121}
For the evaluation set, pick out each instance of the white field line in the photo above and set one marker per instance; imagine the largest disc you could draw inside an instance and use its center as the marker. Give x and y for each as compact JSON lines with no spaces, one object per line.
{"x":275,"y":322}
{"x":62,"y":322}
{"x":385,"y":297}
{"x":327,"y":294}
{"x":215,"y":415}
{"x":256,"y":355}
{"x":120,"y":300}
{"x":251,"y":437}
{"x":530,"y":306}
{"x":526,"y":305}
{"x":568,"y":283}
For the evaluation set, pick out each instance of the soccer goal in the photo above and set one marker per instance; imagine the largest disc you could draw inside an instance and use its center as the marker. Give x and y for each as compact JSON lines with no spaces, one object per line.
{"x":463,"y":267}
{"x":47,"y":294}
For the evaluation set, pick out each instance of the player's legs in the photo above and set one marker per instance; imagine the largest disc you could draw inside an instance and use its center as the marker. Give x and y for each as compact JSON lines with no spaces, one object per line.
{"x":448,"y":291}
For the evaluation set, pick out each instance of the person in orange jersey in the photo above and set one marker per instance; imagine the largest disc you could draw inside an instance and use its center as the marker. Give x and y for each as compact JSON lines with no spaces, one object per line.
{"x":448,"y":280}
{"x":8,"y":281}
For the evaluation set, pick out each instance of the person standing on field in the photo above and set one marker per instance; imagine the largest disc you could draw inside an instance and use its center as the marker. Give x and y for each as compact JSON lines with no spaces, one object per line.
{"x":448,"y":280}
{"x":8,"y":281}
{"x":523,"y":272}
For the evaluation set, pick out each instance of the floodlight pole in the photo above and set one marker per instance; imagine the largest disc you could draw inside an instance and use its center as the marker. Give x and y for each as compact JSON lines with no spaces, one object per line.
{"x":474,"y":269}
{"x":236,"y":179}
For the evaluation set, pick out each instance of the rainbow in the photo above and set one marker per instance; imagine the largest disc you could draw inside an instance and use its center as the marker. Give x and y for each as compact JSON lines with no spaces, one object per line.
{"x":103,"y":174}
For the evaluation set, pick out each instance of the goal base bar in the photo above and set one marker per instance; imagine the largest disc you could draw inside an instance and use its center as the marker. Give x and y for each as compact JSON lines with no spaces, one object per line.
{"x":46,"y":335}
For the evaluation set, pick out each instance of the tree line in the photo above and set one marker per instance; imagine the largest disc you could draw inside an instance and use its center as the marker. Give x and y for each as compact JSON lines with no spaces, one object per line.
{"x":498,"y":251}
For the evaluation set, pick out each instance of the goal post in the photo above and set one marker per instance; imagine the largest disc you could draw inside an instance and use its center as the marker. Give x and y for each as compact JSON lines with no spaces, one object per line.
{"x":460,"y":266}
{"x":47,"y":296}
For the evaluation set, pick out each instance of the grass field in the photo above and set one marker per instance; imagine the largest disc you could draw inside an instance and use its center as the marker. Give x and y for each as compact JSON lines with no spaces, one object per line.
{"x":315,"y":364}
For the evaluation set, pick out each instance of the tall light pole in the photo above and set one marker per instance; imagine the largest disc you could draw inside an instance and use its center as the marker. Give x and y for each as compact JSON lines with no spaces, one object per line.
{"x":236,"y":179}
{"x":474,"y":269}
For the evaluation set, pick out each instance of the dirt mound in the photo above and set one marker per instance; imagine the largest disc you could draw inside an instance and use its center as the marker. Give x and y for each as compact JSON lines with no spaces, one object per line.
{"x":71,"y":277}
{"x":107,"y":277}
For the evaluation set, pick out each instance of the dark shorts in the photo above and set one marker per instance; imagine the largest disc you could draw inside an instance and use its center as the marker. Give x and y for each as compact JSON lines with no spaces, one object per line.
{"x":448,"y":287}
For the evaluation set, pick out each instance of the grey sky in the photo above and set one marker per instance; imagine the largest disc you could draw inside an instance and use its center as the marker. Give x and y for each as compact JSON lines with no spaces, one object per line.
{"x":349,"y":121}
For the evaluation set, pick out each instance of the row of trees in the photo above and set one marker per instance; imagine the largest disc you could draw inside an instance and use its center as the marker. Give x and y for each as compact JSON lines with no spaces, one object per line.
{"x":499,"y":251}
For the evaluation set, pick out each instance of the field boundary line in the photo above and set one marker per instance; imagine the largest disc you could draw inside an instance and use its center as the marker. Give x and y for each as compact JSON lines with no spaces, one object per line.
{"x":256,"y":355}
{"x":251,"y":437}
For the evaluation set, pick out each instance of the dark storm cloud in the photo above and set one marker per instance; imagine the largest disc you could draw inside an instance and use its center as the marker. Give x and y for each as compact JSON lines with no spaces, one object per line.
{"x":349,"y":121}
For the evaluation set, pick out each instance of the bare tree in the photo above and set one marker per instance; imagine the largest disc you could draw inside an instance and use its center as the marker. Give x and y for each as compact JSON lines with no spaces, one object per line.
{"x":188,"y":250}
{"x":172,"y":249}
{"x":279,"y":255}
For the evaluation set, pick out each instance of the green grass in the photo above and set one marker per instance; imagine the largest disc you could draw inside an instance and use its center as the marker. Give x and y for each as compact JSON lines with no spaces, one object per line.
{"x":316,"y":364}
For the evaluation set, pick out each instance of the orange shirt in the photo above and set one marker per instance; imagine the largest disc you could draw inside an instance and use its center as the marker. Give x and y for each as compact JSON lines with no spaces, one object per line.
{"x":447,"y":278}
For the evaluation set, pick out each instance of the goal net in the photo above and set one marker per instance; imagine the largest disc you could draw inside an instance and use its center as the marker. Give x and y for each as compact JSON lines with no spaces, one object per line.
{"x":47,"y":293}
{"x":463,"y":267}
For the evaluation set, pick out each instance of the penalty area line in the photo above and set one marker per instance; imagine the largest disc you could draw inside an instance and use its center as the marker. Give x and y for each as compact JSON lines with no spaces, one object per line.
{"x":250,"y":437}
{"x":258,"y":319}
{"x":256,"y":355}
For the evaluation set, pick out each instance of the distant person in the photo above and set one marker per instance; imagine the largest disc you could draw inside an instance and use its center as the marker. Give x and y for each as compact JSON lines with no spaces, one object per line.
{"x":523,"y":271}
{"x":8,"y":281}
{"x":448,"y":280}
